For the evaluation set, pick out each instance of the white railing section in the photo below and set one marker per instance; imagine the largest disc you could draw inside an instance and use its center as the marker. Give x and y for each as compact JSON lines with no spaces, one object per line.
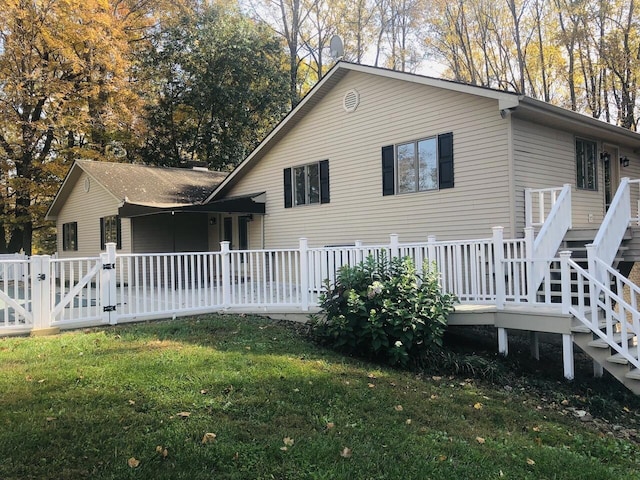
{"x":551,"y":234}
{"x":608,"y":315}
{"x":615,"y":224}
{"x":14,"y":293}
{"x":539,"y":202}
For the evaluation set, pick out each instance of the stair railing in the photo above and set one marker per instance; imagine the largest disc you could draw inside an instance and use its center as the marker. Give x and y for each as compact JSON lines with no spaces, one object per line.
{"x":608,"y":315}
{"x":551,"y":234}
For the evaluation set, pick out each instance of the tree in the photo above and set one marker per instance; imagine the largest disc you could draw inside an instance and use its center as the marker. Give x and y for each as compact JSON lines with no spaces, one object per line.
{"x":64,"y":87}
{"x":217,"y":88}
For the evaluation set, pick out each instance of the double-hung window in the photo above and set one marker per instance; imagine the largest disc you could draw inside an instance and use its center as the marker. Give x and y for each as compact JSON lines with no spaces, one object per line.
{"x":70,"y":236}
{"x":586,"y":165}
{"x":306,"y":184}
{"x":418,"y":166}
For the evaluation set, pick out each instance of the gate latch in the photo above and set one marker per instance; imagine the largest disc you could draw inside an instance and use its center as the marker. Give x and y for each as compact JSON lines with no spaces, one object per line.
{"x":42,"y":276}
{"x":109,"y":308}
{"x":109,"y":266}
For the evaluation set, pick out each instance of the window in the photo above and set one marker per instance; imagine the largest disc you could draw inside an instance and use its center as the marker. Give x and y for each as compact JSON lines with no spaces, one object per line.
{"x":306,"y":184}
{"x":110,"y":231}
{"x":418,"y":166}
{"x":70,"y":236}
{"x":586,"y":166}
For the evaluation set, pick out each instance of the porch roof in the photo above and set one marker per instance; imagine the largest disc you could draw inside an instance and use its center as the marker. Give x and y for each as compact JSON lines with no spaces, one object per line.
{"x":251,"y":203}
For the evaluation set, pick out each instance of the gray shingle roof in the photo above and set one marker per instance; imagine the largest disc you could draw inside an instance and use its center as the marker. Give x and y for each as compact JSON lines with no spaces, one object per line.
{"x":153,"y":185}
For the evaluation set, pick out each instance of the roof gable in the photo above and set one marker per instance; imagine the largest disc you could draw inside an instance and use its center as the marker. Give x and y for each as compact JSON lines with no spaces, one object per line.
{"x":141,"y":184}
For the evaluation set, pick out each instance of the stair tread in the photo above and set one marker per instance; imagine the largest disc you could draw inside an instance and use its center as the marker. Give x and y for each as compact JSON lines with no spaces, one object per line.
{"x":619,"y":358}
{"x":633,"y":374}
{"x":601,"y":343}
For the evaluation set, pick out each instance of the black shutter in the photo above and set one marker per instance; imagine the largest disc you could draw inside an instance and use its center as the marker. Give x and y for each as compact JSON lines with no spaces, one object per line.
{"x":118,"y":233}
{"x":102,"y":233}
{"x":388,"y":169}
{"x":288,"y":191}
{"x":445,"y":160}
{"x":324,"y":181}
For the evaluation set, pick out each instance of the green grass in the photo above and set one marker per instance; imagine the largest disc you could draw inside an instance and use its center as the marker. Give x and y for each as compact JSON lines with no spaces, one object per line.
{"x":81,"y":404}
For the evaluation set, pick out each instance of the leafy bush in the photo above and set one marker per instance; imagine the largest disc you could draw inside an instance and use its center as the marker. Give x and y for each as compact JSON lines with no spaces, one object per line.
{"x":384,"y":310}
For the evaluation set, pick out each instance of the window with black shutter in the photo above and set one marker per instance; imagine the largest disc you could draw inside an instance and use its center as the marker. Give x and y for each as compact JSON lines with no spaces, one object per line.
{"x":306,"y":184}
{"x":418,"y":166}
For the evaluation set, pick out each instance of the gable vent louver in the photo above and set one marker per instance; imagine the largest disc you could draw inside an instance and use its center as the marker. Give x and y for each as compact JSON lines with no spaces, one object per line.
{"x":351,"y":101}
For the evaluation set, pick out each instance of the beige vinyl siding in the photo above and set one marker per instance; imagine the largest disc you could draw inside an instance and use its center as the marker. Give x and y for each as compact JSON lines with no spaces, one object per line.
{"x":86,"y":208}
{"x":390,"y":112}
{"x":545,"y":158}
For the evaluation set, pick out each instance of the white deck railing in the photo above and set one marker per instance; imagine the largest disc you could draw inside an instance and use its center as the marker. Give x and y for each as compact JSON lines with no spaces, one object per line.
{"x":539,"y":202}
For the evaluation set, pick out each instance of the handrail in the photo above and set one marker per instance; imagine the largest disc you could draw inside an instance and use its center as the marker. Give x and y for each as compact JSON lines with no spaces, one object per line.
{"x":615,"y":308}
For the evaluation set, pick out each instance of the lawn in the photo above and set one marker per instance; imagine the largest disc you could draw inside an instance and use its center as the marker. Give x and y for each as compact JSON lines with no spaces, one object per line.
{"x":230,"y":397}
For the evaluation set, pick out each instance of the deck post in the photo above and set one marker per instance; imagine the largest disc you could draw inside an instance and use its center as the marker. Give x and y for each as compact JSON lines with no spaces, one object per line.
{"x":304,"y":274}
{"x":535,"y":345}
{"x":359,"y":253}
{"x":529,"y":237}
{"x":498,"y":267}
{"x":565,"y":281}
{"x":598,"y":370}
{"x":393,"y":245}
{"x":567,"y":356}
{"x":528,"y":207}
{"x":108,"y":284}
{"x":431,"y":252}
{"x":226,"y":274}
{"x":503,"y":342}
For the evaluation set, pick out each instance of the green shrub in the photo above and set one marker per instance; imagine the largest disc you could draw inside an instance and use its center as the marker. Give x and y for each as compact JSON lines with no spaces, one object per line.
{"x":384,"y":310}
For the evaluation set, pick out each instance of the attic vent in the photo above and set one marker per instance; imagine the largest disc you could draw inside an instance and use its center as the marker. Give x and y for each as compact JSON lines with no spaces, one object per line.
{"x":351,"y":101}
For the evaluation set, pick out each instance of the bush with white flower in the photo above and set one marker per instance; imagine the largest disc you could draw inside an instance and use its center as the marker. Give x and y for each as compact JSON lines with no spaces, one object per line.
{"x":384,"y":310}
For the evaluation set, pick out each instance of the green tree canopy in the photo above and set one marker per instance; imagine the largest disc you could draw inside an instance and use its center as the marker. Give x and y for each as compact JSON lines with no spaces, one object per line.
{"x":217,"y":89}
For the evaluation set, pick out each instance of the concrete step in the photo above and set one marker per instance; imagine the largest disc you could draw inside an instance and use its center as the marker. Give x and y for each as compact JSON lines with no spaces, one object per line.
{"x":633,"y":374}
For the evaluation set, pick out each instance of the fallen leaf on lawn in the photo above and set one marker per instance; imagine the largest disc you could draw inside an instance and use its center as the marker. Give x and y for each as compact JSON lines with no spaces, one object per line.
{"x":398,"y":408}
{"x":209,"y":437}
{"x":284,"y":449}
{"x":133,"y":462}
{"x":480,"y":440}
{"x":626,"y":409}
{"x":162,"y":451}
{"x":346,"y":452}
{"x":501,"y":473}
{"x":183,"y":414}
{"x":50,"y":419}
{"x":42,"y":380}
{"x":371,"y":376}
{"x":436,"y":378}
{"x":478,"y":406}
{"x":330,"y":425}
{"x":204,"y":391}
{"x":536,"y":429}
{"x":408,"y":421}
{"x":433,"y":397}
{"x":132,"y":402}
{"x":530,"y":462}
{"x":287,"y":441}
{"x":371,"y":385}
{"x":442,"y":458}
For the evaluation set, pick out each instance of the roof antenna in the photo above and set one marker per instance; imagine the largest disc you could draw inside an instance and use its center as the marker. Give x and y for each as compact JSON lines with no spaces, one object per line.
{"x":336,"y":48}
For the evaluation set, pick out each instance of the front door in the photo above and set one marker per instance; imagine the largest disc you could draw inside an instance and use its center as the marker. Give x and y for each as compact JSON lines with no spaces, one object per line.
{"x":611,"y":173}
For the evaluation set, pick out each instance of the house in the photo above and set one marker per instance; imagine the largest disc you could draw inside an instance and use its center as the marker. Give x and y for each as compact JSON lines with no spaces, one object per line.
{"x":140,"y":208}
{"x":371,"y":151}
